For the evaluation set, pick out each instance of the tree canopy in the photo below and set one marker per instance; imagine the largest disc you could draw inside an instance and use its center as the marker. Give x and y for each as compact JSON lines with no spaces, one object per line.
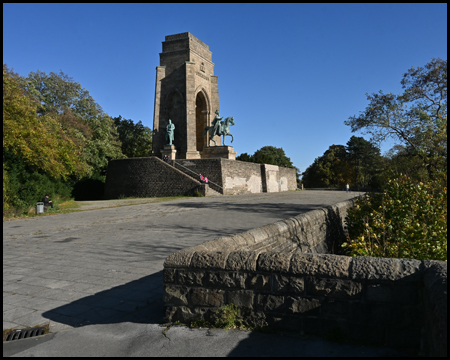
{"x":39,"y":141}
{"x":54,"y":135}
{"x":416,"y":118}
{"x":136,"y":138}
{"x":268,"y":155}
{"x":367,"y":160}
{"x":358,"y":164}
{"x":409,"y":217}
{"x":81,"y":118}
{"x":332,"y":169}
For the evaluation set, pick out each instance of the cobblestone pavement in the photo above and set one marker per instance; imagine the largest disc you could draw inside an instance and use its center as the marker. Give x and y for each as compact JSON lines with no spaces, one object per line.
{"x":105,"y":266}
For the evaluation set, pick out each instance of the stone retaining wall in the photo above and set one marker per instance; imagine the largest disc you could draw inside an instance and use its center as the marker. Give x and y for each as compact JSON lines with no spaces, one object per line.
{"x":275,"y":275}
{"x":147,"y":177}
{"x":240,"y":177}
{"x":150,"y":176}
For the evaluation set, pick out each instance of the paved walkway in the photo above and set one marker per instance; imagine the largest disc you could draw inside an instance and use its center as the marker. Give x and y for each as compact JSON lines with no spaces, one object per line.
{"x":104,"y":266}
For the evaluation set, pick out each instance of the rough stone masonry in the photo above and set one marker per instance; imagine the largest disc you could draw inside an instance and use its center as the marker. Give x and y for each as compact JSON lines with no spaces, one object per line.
{"x":285,"y":276}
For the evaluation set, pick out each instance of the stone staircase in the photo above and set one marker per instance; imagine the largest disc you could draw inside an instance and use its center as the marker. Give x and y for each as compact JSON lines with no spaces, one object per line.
{"x":209,"y":191}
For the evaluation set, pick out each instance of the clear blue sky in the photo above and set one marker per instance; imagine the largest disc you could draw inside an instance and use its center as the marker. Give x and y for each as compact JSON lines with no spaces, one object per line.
{"x":290,"y":74}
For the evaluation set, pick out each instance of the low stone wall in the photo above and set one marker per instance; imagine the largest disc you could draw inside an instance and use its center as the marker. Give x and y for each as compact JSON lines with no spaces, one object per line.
{"x":276,"y":277}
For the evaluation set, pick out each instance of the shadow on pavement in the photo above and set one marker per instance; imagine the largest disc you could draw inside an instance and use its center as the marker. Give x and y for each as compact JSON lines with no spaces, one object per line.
{"x":139,"y":301}
{"x":291,"y":345}
{"x":287,"y":210}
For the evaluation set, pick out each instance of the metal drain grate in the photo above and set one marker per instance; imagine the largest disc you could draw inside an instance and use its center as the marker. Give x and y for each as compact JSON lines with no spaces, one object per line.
{"x":24,"y":333}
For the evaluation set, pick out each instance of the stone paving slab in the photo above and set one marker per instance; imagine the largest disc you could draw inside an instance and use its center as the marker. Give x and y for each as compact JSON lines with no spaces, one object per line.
{"x":105,"y":266}
{"x":145,"y":340}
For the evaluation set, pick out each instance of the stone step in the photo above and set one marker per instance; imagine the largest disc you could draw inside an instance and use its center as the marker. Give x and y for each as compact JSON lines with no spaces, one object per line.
{"x":212,"y":192}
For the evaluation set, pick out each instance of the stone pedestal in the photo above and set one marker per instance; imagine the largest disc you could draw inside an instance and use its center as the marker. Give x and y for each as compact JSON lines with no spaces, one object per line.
{"x":193,"y":155}
{"x":170,"y":151}
{"x":224,"y":152}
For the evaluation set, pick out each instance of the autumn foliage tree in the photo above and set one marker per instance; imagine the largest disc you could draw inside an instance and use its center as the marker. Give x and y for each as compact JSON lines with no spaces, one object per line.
{"x":81,"y":118}
{"x":35,"y":148}
{"x":39,"y":140}
{"x":54,"y":134}
{"x":407,"y":220}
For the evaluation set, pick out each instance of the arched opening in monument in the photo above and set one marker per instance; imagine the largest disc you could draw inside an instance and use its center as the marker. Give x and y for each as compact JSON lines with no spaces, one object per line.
{"x":201,"y":112}
{"x":175,"y":112}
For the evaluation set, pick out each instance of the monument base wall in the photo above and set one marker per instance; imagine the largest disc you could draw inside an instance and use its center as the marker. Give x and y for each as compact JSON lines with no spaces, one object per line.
{"x":149,"y":177}
{"x":234,"y":177}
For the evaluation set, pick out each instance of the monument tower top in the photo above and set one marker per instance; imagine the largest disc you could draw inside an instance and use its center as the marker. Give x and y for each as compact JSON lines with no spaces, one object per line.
{"x":186,"y":93}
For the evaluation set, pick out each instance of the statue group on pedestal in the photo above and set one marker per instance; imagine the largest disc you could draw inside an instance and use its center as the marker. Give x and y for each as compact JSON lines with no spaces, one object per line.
{"x":219,"y":127}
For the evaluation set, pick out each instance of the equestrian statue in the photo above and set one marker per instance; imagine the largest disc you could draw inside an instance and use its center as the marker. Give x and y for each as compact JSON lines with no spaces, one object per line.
{"x":219,"y":127}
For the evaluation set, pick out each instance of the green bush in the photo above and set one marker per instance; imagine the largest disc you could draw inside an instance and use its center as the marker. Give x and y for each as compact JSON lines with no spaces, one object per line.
{"x":23,"y":187}
{"x":407,"y":220}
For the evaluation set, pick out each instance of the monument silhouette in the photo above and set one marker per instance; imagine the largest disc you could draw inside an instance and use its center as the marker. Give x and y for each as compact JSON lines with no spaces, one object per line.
{"x":187,"y":93}
{"x":186,"y":115}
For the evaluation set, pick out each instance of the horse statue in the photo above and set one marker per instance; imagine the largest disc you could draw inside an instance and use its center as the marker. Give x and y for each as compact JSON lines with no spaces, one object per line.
{"x":223,"y":129}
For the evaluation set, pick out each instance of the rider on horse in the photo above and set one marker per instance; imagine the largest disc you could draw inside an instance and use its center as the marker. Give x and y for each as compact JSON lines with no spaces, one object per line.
{"x":217,"y":123}
{"x":219,"y":128}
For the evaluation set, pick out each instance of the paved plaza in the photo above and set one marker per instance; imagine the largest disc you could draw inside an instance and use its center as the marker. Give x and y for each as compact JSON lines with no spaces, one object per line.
{"x":104,"y":267}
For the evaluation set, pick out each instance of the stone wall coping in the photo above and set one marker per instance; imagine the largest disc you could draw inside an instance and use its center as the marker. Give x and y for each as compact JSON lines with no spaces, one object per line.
{"x":286,"y":228}
{"x":231,"y":253}
{"x":322,"y":265}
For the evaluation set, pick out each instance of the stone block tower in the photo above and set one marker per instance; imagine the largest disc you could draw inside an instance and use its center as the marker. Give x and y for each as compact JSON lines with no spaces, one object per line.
{"x":186,"y":93}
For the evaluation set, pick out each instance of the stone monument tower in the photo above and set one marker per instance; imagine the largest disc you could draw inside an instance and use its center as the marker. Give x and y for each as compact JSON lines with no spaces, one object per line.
{"x":187,"y":94}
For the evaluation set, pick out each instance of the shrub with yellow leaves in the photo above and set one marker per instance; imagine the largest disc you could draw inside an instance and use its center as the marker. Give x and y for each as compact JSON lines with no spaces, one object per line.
{"x":407,"y":220}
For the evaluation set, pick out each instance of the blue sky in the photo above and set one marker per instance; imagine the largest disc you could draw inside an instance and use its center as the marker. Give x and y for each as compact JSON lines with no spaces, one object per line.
{"x":290,"y":74}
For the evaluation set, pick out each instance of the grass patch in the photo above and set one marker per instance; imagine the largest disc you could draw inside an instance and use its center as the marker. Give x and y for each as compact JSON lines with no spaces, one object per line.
{"x":71,"y":204}
{"x":230,"y":317}
{"x":197,"y":194}
{"x":227,"y":317}
{"x":74,"y":206}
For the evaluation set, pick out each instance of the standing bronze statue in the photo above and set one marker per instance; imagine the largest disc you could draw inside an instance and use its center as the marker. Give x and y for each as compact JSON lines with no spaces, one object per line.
{"x":170,"y":132}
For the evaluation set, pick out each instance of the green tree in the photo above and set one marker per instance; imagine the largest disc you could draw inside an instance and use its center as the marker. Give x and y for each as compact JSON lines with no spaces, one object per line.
{"x":36,"y":150}
{"x":367,"y":160}
{"x":136,"y":138}
{"x":38,"y":140}
{"x":270,"y":155}
{"x":416,"y":118}
{"x":245,"y":157}
{"x":399,"y":161}
{"x":79,"y":115}
{"x":332,"y":169}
